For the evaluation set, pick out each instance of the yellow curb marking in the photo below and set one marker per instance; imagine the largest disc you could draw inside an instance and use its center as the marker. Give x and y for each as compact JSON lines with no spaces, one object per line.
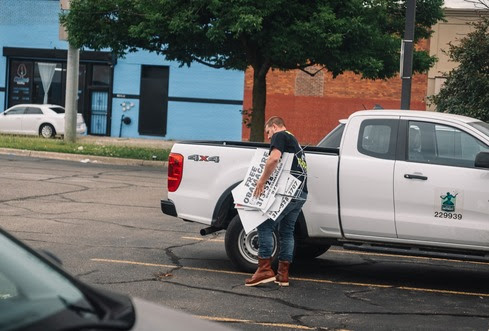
{"x":278,"y":325}
{"x":311,"y":280}
{"x":203,"y":239}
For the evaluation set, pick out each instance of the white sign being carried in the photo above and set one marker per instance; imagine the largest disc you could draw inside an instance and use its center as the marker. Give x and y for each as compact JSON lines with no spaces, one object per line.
{"x":243,"y":193}
{"x":278,"y":192}
{"x":287,"y":190}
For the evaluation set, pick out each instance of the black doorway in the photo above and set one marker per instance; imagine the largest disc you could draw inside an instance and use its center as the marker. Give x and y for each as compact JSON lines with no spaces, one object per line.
{"x":153,"y":109}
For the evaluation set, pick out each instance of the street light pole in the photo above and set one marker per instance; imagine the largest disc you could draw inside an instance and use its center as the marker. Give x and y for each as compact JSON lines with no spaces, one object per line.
{"x":407,"y":54}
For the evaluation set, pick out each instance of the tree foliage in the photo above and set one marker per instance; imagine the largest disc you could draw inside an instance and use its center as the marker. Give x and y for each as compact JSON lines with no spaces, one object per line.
{"x":362,"y":36}
{"x":466,"y":89}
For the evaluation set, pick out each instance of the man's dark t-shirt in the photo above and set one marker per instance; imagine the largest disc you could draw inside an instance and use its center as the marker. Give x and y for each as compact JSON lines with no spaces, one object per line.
{"x":285,"y":142}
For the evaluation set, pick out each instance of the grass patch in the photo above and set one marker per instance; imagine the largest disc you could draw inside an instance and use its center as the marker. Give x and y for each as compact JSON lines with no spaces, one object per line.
{"x":60,"y":146}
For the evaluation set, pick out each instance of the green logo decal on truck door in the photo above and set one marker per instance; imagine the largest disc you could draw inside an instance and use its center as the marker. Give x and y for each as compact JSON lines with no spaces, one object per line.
{"x":448,"y":202}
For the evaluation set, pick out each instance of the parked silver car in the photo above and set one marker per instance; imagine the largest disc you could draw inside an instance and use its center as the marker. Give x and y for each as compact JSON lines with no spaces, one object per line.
{"x":37,"y":294}
{"x":31,"y":119}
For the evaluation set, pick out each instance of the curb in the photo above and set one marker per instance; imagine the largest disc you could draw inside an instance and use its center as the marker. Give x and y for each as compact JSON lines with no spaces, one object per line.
{"x":83,"y":158}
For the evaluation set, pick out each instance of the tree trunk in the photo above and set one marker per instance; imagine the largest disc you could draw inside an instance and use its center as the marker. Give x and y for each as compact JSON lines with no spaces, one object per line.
{"x":259,"y":102}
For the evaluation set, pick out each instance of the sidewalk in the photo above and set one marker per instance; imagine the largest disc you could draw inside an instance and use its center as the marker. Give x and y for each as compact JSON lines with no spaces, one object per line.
{"x":101,"y":140}
{"x":138,"y":142}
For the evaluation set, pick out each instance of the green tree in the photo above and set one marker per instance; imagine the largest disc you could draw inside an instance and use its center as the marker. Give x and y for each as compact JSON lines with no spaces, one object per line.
{"x":465,"y":91}
{"x":362,"y":36}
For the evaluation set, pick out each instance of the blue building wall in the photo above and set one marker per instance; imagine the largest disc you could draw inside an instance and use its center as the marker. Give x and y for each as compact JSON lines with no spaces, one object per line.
{"x":27,"y":23}
{"x":34,"y":24}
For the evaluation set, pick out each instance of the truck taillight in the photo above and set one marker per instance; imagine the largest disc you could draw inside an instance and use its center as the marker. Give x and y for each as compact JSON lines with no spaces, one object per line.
{"x":175,"y":171}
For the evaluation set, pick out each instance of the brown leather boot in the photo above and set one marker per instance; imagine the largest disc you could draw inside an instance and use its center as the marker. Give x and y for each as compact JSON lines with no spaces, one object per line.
{"x":264,"y":273}
{"x":282,"y":277}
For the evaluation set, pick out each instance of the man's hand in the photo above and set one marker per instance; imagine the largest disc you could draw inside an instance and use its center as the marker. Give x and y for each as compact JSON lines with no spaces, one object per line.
{"x":260,"y":187}
{"x":270,"y":166}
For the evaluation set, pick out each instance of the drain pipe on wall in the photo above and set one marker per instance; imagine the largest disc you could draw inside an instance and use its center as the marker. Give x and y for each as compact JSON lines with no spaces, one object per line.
{"x":124,"y":119}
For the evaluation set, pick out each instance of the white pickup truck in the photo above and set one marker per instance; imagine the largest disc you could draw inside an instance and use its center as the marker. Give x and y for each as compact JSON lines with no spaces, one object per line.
{"x":415,"y":182}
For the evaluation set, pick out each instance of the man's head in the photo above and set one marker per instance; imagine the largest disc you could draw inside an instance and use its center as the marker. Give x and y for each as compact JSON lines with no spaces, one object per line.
{"x":274,"y":124}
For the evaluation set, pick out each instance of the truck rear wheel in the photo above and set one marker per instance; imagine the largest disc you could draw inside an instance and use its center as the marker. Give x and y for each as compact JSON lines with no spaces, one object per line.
{"x":242,"y":248}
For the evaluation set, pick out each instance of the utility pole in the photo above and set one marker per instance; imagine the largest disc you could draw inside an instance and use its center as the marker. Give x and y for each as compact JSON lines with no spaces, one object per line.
{"x":407,"y":54}
{"x":71,"y":93}
{"x":72,"y":68}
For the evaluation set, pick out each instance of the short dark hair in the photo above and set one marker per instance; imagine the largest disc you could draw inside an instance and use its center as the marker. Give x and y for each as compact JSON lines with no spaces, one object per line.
{"x":278,"y":121}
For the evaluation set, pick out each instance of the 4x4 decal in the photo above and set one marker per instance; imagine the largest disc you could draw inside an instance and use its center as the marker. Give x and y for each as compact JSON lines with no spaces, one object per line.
{"x":204,"y":158}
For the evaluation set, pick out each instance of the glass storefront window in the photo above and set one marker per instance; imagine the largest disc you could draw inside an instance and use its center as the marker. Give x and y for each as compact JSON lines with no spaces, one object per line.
{"x":28,"y":79}
{"x":101,"y":75}
{"x":55,"y":94}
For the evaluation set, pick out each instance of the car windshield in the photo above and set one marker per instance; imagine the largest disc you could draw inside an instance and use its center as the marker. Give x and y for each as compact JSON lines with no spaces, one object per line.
{"x":57,"y":109}
{"x":32,"y":291}
{"x":481,"y":126}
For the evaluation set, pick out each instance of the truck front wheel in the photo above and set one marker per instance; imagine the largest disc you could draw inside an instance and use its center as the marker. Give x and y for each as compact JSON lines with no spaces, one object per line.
{"x":242,"y":248}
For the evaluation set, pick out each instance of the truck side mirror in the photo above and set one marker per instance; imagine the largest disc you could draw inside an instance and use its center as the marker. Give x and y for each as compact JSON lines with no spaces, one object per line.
{"x":482,"y":160}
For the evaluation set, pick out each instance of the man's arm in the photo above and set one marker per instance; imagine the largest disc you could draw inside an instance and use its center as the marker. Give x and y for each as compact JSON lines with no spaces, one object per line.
{"x":270,"y":166}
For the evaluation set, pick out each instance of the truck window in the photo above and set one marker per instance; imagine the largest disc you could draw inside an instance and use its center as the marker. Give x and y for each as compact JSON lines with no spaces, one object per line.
{"x":441,"y":144}
{"x":333,"y":139}
{"x":378,"y":138}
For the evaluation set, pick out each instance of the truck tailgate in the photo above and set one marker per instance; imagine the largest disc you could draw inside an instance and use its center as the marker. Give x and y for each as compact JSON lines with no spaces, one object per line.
{"x":208,"y":172}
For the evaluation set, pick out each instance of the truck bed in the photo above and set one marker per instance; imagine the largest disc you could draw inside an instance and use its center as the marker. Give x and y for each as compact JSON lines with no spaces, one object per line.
{"x":210,"y":172}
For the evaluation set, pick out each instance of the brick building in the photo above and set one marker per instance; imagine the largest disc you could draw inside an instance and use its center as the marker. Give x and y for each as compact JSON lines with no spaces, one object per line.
{"x":312,"y":106}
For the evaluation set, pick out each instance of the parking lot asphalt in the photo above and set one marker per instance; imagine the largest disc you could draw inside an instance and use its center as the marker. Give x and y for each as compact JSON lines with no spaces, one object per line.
{"x":100,"y":140}
{"x":104,"y":222}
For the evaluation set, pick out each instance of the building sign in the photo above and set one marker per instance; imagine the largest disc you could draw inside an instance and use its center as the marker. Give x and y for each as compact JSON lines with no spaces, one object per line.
{"x":20,"y":78}
{"x":20,"y":85}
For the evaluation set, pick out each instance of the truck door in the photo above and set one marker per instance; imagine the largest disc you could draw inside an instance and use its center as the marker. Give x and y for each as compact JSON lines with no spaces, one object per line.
{"x":439,"y":195}
{"x":366,"y":187}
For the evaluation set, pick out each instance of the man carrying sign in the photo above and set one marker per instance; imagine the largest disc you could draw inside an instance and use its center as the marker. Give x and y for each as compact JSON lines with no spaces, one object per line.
{"x":281,"y":142}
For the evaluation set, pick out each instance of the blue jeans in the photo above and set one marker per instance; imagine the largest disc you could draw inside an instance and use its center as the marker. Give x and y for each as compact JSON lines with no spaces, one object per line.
{"x":286,"y":224}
